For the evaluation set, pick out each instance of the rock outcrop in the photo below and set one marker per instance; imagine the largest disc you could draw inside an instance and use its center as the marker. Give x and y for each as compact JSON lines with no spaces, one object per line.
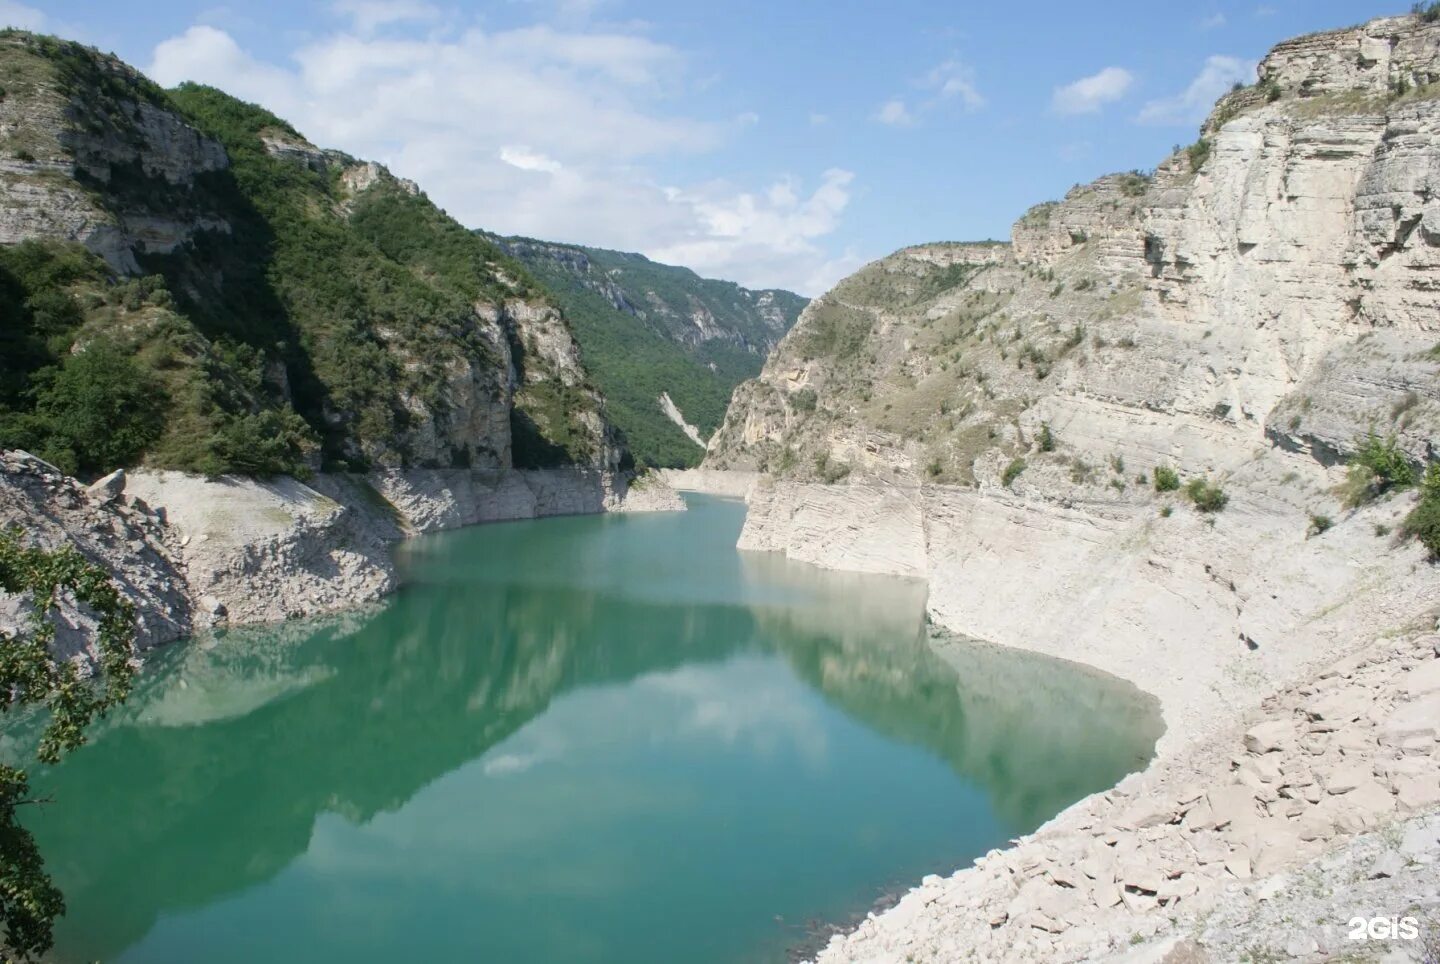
{"x":193,"y":552}
{"x":121,"y":532}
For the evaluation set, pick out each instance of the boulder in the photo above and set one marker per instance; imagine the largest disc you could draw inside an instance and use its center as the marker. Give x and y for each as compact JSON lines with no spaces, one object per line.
{"x":1420,"y":718}
{"x":1341,"y":706}
{"x":1231,"y":803}
{"x":1423,"y":679}
{"x":1388,"y":864}
{"x":1343,"y":779}
{"x":1269,"y":736}
{"x":1417,"y":791}
{"x":107,"y":489}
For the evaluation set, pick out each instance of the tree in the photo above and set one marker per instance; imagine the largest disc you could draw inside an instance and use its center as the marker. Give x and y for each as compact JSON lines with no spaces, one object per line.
{"x":100,"y":410}
{"x":32,"y":675}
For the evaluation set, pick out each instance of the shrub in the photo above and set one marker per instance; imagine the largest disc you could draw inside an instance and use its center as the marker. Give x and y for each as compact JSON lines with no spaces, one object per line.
{"x":1047,"y":438}
{"x":1378,"y":466}
{"x":1206,"y":495}
{"x":803,"y":400}
{"x":1165,"y":511}
{"x":1198,"y":153}
{"x":98,"y":411}
{"x":266,"y":443}
{"x":1319,"y":524}
{"x":1166,"y":479}
{"x":31,"y":675}
{"x":1423,"y":522}
{"x":1428,"y":12}
{"x":1012,"y":472}
{"x":830,"y":472}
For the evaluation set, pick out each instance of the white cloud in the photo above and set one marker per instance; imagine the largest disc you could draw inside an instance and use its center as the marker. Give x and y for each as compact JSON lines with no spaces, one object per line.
{"x":895,"y":113}
{"x":946,"y":82}
{"x":1213,"y":22}
{"x":528,"y":160}
{"x":1192,"y":105}
{"x":741,"y":230}
{"x":1088,"y":94}
{"x":818,"y":119}
{"x":536,"y":130}
{"x":953,"y":79}
{"x":369,"y":15}
{"x":18,"y":15}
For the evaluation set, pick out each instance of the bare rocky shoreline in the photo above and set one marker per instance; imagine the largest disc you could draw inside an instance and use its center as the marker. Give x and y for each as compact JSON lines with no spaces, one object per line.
{"x":193,"y":552}
{"x":1321,"y":764}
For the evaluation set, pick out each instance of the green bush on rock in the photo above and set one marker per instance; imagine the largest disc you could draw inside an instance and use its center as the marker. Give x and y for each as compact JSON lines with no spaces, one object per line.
{"x":1206,"y":496}
{"x":1423,"y":522}
{"x":1378,"y":466}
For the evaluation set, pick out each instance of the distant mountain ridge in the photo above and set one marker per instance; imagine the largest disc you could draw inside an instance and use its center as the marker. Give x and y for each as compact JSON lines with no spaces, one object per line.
{"x":651,"y":332}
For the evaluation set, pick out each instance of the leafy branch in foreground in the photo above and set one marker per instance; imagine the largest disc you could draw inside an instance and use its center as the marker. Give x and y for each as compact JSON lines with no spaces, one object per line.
{"x":30,"y":674}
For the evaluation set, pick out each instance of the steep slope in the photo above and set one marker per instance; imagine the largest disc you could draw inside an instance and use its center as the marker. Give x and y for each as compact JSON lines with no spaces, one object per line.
{"x":279,"y":279}
{"x":667,"y":347}
{"x":191,"y":289}
{"x":1170,"y":431}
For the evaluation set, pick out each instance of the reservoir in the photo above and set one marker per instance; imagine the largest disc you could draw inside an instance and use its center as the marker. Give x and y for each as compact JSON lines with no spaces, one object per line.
{"x":589,"y":739}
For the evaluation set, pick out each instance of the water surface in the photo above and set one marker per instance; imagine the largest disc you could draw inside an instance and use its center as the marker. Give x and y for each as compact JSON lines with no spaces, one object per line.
{"x":585,"y":739}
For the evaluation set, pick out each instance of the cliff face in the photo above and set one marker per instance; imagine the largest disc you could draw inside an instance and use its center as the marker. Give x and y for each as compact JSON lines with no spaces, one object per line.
{"x":667,"y":346}
{"x":1272,"y":283}
{"x":302,"y":280}
{"x":990,"y":416}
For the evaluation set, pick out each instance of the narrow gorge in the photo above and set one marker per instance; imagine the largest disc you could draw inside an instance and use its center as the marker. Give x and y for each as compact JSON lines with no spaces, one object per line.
{"x":1071,"y":597}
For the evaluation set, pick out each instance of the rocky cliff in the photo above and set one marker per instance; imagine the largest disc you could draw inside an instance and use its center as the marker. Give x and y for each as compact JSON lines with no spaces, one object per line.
{"x":667,"y":346}
{"x":259,"y":288}
{"x":297,"y":355}
{"x":1125,"y":438}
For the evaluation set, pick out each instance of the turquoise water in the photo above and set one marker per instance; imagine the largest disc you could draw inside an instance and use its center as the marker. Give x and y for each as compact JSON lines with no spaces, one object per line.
{"x":583,"y":739}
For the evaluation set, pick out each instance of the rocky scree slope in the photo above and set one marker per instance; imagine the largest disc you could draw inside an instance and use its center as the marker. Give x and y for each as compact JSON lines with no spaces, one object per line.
{"x":1122,"y":438}
{"x":666,"y":346}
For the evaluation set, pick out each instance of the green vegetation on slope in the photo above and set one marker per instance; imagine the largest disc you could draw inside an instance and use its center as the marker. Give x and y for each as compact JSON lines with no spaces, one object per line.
{"x":655,"y":347}
{"x":96,"y":372}
{"x":633,"y":367}
{"x":303,"y":313}
{"x":375,"y":305}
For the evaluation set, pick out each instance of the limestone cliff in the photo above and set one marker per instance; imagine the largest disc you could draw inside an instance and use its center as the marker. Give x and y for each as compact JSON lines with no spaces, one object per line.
{"x":1121,"y":439}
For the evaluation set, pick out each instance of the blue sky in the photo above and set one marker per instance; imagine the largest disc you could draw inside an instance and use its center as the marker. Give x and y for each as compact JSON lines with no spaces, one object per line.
{"x":771,"y":143}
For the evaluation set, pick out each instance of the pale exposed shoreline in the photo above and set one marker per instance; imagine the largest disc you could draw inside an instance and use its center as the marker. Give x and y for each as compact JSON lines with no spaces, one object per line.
{"x":1025,"y":893}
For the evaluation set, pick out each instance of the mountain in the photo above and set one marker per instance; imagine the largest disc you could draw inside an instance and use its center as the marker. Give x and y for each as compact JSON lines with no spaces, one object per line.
{"x":1184,"y":427}
{"x":189,"y":283}
{"x":666,"y":346}
{"x":1269,"y":287}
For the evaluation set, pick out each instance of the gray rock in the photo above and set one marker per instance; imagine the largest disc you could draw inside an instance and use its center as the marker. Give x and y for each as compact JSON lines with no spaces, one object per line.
{"x":1388,"y":864}
{"x":109,"y":488}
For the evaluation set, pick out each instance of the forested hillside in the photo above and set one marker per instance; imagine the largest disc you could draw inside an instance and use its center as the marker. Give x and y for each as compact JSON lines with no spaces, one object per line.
{"x":650,"y":330}
{"x":191,"y":284}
